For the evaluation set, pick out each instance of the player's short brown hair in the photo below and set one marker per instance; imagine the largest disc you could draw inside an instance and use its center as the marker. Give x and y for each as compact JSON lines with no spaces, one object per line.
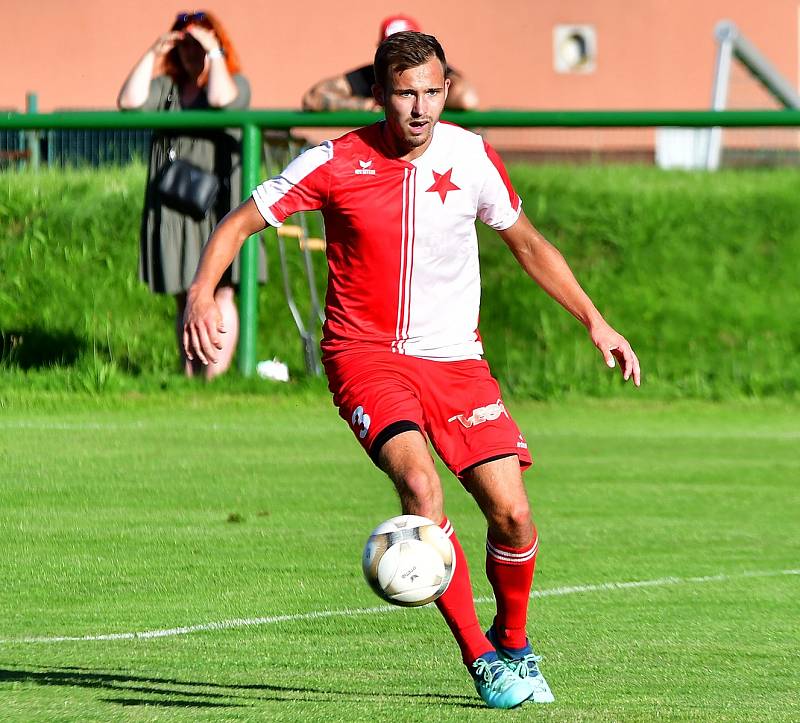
{"x":401,"y":51}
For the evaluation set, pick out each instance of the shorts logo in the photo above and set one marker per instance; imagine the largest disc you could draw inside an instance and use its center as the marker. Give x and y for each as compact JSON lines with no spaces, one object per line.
{"x":522,"y":444}
{"x":482,"y":414}
{"x":360,"y":419}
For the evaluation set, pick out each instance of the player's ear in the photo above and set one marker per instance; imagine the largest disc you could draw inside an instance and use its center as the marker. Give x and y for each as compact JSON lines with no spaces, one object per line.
{"x":446,"y":87}
{"x":378,"y":95}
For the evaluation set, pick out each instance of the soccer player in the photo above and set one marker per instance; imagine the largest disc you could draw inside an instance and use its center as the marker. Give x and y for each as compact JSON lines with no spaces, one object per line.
{"x":400,"y":344}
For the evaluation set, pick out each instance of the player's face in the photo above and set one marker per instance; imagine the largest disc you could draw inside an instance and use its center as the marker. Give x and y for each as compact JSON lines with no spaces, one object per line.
{"x":413,"y":103}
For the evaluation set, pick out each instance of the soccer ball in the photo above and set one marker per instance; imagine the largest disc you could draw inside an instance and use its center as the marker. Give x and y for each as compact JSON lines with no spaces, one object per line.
{"x":408,"y":560}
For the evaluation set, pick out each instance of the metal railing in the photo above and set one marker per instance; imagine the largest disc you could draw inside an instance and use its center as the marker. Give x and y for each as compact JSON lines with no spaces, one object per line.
{"x":253,"y":121}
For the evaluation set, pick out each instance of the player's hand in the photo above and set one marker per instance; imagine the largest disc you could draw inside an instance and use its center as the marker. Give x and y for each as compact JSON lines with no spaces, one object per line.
{"x":166,"y":42}
{"x":205,"y":36}
{"x":615,"y":349}
{"x":202,"y":329}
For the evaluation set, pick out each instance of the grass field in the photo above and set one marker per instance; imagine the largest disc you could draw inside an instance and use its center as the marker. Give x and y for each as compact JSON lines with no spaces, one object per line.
{"x":128,"y":514}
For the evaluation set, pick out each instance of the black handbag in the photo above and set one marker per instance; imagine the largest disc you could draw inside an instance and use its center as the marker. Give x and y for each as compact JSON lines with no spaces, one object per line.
{"x":186,"y":188}
{"x":181,"y":185}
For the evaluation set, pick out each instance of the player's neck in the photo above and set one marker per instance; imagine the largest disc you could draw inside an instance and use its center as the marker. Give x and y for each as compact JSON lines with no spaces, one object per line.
{"x":401,"y":150}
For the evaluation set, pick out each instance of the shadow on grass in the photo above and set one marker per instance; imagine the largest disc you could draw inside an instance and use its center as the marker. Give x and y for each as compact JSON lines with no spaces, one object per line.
{"x":190,"y":695}
{"x":168,"y":703}
{"x":38,"y":348}
{"x":83,"y":678}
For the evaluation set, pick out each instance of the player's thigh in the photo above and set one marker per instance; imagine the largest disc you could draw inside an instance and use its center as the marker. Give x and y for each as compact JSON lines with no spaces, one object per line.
{"x":406,"y":459}
{"x":375,"y":397}
{"x":498,"y":489}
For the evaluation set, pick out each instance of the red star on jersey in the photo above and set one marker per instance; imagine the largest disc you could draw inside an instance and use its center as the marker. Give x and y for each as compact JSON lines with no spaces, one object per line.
{"x":442,"y":184}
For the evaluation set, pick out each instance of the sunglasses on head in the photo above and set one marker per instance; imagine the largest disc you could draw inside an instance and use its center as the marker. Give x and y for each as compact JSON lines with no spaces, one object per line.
{"x":184,"y":19}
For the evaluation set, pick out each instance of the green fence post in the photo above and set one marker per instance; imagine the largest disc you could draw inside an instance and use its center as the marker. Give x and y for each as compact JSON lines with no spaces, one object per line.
{"x":32,"y":137}
{"x":248,"y":281}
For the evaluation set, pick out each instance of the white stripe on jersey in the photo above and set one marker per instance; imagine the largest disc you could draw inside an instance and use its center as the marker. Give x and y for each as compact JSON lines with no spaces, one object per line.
{"x":407,"y":233}
{"x":410,"y":235}
{"x":400,"y":284}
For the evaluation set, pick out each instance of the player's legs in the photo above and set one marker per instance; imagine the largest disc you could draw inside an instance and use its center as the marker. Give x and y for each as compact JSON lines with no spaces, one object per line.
{"x":511,"y":546}
{"x":500,"y":493}
{"x":477,"y":438}
{"x":378,"y":395}
{"x":407,"y":461}
{"x":511,"y":543}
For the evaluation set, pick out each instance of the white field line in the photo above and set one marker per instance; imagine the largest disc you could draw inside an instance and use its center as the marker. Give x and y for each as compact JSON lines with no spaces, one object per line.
{"x":144,"y":425}
{"x":352,"y":612}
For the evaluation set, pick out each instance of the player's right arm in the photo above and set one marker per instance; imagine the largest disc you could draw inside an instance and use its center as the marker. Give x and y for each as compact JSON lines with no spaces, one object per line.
{"x":202,"y":320}
{"x":302,"y":186}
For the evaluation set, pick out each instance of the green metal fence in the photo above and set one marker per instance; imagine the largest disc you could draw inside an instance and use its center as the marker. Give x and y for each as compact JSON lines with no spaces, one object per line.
{"x":253,"y":122}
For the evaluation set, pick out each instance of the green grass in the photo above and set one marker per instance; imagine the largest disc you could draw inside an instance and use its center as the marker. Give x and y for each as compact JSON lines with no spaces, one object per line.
{"x":128,"y":513}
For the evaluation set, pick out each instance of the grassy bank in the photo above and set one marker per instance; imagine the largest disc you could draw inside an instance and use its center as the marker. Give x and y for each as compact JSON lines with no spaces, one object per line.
{"x":699,"y":271}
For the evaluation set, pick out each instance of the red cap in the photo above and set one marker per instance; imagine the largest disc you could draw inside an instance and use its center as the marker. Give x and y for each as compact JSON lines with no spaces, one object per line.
{"x":397,"y":24}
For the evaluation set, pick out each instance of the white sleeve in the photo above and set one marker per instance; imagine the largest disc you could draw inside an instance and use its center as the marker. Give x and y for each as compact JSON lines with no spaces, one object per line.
{"x":302,"y":186}
{"x":499,"y":205}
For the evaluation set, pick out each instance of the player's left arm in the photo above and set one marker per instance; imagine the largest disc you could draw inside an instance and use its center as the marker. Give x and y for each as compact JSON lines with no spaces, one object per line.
{"x":547,"y":267}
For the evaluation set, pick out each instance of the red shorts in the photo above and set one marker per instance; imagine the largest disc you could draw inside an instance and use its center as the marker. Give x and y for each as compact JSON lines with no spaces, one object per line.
{"x":456,"y":404}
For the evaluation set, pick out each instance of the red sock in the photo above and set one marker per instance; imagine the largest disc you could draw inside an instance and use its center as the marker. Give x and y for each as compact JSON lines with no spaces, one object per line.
{"x":510,"y":571}
{"x":458,"y":607}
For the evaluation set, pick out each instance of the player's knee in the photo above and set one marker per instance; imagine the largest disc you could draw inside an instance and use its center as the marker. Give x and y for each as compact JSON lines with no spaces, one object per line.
{"x":420,"y":493}
{"x":513,"y":524}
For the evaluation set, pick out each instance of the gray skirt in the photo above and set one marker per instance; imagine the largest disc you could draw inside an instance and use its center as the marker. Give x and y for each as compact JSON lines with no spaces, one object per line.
{"x":171,"y":242}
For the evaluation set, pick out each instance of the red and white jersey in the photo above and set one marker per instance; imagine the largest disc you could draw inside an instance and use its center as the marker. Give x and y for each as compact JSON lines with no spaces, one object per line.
{"x":402,"y":247}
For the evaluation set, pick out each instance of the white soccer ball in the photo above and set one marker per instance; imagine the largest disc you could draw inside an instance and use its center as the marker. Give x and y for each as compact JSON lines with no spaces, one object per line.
{"x":408,"y":560}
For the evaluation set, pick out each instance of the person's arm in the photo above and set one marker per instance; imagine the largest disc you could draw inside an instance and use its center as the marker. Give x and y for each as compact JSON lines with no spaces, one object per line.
{"x":221,"y":89}
{"x":461,"y":95}
{"x":202,"y":320}
{"x":136,"y":88}
{"x":335,"y":94}
{"x":547,"y":267}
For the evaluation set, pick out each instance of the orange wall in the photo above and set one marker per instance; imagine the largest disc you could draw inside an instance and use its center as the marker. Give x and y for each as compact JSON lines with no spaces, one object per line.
{"x":651,"y":53}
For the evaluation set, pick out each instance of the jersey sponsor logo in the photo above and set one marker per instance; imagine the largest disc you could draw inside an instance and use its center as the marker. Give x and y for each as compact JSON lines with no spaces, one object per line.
{"x":442,"y":184}
{"x":365,"y":169}
{"x":481,"y":414}
{"x":361,"y":421}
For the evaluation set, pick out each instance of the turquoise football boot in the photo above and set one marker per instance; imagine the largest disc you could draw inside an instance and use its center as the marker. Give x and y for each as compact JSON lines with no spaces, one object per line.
{"x":525,"y":663}
{"x":497,"y":684}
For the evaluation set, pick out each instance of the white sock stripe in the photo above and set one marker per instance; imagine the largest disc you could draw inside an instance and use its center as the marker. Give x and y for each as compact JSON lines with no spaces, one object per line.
{"x":534,"y":546}
{"x":448,"y":529}
{"x":512,"y":557}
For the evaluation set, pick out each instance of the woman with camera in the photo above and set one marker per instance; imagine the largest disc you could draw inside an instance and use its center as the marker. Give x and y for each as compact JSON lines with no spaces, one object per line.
{"x":194,"y":179}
